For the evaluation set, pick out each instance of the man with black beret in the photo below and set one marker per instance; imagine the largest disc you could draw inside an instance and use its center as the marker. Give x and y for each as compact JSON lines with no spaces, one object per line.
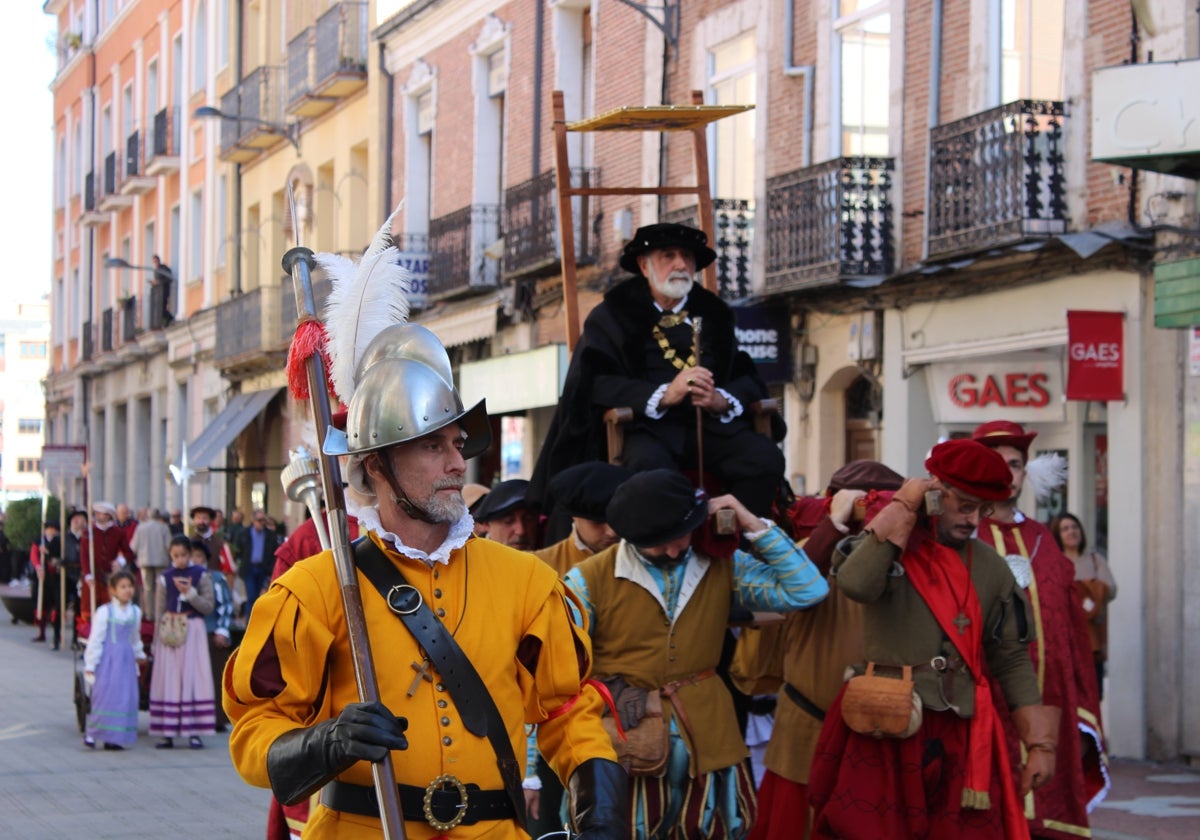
{"x":637,"y":351}
{"x":202,"y":517}
{"x":657,"y":610}
{"x":942,"y":610}
{"x":508,"y":518}
{"x":582,"y":492}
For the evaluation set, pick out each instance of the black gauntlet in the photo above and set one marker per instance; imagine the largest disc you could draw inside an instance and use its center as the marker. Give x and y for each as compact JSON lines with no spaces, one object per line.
{"x":599,"y":800}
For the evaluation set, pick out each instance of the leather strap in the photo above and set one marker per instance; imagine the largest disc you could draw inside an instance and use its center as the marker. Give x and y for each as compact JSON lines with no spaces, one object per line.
{"x":482,"y":805}
{"x":803,"y":702}
{"x":471,"y":697}
{"x":671,"y":689}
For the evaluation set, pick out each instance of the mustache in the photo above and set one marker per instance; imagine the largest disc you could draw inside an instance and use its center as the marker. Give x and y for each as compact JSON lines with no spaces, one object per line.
{"x":448,"y":484}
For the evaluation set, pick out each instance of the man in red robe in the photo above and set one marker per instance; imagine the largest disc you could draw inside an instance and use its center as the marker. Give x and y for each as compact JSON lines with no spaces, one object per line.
{"x":110,"y":552}
{"x":942,"y":610}
{"x":1062,"y":654}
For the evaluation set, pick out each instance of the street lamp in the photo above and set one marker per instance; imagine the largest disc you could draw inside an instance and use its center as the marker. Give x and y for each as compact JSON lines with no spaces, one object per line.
{"x":290,"y":132}
{"x":117,"y":262}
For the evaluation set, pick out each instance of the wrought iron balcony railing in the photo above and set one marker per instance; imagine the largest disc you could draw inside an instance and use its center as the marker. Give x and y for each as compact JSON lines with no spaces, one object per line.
{"x":88,"y":341}
{"x":110,"y":173}
{"x":159,"y":297}
{"x":734,"y":222}
{"x":997,"y":177}
{"x":129,"y":320}
{"x":299,"y":66}
{"x":133,"y":155}
{"x":106,"y":330}
{"x":457,"y":262}
{"x":830,"y":222}
{"x":239,"y":327}
{"x":166,"y":133}
{"x":531,"y":224}
{"x":341,"y":43}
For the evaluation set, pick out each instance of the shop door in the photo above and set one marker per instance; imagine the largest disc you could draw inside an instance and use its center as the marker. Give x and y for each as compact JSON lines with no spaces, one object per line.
{"x":861,"y":441}
{"x":864,"y":404}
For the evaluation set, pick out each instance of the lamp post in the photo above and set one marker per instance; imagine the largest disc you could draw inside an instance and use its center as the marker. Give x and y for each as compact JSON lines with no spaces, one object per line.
{"x":162,"y":278}
{"x":290,"y":132}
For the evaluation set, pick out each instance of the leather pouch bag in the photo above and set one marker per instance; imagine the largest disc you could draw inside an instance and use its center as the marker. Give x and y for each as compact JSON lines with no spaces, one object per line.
{"x":172,"y":629}
{"x":882,"y":707}
{"x":644,"y":750}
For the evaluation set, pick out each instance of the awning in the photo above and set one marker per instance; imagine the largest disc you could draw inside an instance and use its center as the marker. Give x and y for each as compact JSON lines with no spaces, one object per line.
{"x":462,"y":322}
{"x":226,"y":426}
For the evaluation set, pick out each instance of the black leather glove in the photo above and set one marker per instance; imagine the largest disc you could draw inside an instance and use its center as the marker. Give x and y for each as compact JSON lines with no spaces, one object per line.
{"x":303,"y":760}
{"x":629,"y":700}
{"x":599,"y":800}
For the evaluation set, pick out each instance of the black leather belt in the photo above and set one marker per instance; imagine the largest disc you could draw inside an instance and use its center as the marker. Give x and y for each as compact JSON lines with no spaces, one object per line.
{"x":803,"y":702}
{"x":444,"y":805}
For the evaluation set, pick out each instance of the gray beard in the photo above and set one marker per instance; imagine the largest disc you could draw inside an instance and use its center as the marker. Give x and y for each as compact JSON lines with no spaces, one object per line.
{"x":440,"y":509}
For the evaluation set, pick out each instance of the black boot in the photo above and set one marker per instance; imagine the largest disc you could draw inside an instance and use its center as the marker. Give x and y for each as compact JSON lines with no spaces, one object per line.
{"x":599,"y":797}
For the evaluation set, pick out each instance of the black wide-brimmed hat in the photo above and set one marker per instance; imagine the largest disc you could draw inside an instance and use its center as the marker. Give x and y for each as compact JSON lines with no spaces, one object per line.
{"x":655,"y":507}
{"x":585,"y":489}
{"x":504,"y":498}
{"x":667,"y":235}
{"x":212,"y":513}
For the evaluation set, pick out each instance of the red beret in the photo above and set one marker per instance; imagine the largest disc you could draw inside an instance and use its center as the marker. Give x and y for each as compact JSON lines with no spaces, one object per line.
{"x":1004,"y":433}
{"x":971,"y":467}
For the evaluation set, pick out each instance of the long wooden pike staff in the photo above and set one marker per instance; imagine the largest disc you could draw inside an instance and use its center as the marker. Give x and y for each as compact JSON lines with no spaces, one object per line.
{"x":696,"y":325}
{"x":308,"y":348}
{"x":62,"y":555}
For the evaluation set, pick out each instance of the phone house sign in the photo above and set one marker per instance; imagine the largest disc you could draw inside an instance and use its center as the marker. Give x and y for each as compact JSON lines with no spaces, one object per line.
{"x":1025,"y":389}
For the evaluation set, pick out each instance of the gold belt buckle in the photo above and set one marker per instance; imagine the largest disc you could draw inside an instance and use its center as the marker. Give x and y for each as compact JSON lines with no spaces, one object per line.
{"x":461,"y":808}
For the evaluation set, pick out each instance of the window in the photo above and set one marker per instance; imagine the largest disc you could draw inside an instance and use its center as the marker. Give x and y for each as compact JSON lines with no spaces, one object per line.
{"x":177,"y":71}
{"x":106,"y":130}
{"x":29,"y":465}
{"x":128,"y":113}
{"x":32,"y":349}
{"x":60,"y":174}
{"x":1,"y":345}
{"x":418,"y":176}
{"x":79,"y":173}
{"x":731,"y":79}
{"x":1031,"y":50}
{"x":29,"y":425}
{"x":196,"y":228}
{"x":864,"y":42}
{"x":222,"y":216}
{"x":222,"y":35}
{"x":200,"y":47}
{"x":151,"y":92}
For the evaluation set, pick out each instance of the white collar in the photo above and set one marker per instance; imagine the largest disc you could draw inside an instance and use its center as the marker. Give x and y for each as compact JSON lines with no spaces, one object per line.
{"x":580,"y":544}
{"x":456,"y":538}
{"x":674,"y":308}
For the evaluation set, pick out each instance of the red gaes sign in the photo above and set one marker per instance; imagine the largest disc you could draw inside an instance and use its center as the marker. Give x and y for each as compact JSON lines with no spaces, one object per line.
{"x":1095,"y":356}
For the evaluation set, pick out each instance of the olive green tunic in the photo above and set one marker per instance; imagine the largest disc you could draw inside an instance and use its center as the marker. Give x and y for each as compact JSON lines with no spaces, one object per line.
{"x":900,"y":629}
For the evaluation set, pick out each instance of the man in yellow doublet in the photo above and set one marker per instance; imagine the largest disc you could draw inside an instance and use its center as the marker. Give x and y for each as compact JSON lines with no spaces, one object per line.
{"x":291,"y":690}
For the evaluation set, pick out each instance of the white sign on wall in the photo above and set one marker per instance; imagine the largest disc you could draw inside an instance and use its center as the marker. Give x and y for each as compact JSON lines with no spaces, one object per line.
{"x":1024,"y":388}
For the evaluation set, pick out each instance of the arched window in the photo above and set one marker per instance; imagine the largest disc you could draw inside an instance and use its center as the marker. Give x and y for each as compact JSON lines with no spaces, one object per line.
{"x":200,"y":47}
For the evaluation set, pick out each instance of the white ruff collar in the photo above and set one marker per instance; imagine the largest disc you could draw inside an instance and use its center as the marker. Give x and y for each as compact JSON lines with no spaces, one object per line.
{"x":460,"y":532}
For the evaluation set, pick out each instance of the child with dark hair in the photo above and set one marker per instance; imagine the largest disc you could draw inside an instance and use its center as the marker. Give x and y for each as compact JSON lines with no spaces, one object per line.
{"x":110,"y":664}
{"x":181,"y":688}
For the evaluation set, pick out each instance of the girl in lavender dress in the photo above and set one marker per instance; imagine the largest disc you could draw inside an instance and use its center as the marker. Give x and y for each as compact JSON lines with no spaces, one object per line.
{"x":182,"y":704}
{"x":110,"y":665}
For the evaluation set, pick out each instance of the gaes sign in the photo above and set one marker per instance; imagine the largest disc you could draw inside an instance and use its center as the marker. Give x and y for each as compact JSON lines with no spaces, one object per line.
{"x":1025,"y":388}
{"x":1095,"y":355}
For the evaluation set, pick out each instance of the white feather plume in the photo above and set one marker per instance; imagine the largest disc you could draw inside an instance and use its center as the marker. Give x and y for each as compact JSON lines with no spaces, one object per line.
{"x":365,"y":300}
{"x":1046,"y":473}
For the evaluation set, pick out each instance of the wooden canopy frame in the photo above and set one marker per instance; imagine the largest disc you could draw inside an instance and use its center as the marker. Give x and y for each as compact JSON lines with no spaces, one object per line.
{"x":694,"y":118}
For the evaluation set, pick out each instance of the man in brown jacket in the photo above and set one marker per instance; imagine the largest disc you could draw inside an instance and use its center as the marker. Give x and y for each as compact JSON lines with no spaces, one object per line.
{"x":657,"y":610}
{"x":582,"y":493}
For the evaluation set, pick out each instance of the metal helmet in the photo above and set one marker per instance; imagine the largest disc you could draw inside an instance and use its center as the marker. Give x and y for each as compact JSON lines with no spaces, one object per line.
{"x":404,"y":390}
{"x":407,"y":341}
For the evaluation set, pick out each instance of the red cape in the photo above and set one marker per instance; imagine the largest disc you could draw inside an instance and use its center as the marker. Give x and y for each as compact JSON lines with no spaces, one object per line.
{"x":1062,"y":658}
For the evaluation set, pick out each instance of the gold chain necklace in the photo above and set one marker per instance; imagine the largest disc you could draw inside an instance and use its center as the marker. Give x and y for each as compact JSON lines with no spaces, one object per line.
{"x":669,"y":352}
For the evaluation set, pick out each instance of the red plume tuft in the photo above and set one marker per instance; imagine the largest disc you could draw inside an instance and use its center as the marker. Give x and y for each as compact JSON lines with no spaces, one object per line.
{"x":309,"y":339}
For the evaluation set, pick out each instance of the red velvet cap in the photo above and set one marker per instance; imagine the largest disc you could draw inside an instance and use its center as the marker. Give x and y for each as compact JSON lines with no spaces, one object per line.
{"x":1004,"y":433}
{"x":971,"y":467}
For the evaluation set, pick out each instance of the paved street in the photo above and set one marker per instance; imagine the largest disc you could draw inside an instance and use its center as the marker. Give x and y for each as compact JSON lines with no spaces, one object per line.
{"x":51,"y":787}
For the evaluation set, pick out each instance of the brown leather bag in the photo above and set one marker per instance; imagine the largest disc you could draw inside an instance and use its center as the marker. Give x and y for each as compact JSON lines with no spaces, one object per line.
{"x":882,"y":707}
{"x":644,"y":750}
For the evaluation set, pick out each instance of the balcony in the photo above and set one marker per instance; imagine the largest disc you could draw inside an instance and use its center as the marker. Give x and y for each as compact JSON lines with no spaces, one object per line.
{"x":162,"y":152}
{"x":328,"y":61}
{"x":136,"y":181}
{"x":247,"y":334}
{"x":531,"y":225}
{"x":111,"y":199}
{"x":106,"y":331}
{"x":458,"y":265}
{"x":258,"y":101}
{"x":88,"y":345}
{"x":734,"y":222}
{"x":130,"y":329}
{"x":829,"y":223}
{"x":997,"y":178}
{"x":92,"y":215}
